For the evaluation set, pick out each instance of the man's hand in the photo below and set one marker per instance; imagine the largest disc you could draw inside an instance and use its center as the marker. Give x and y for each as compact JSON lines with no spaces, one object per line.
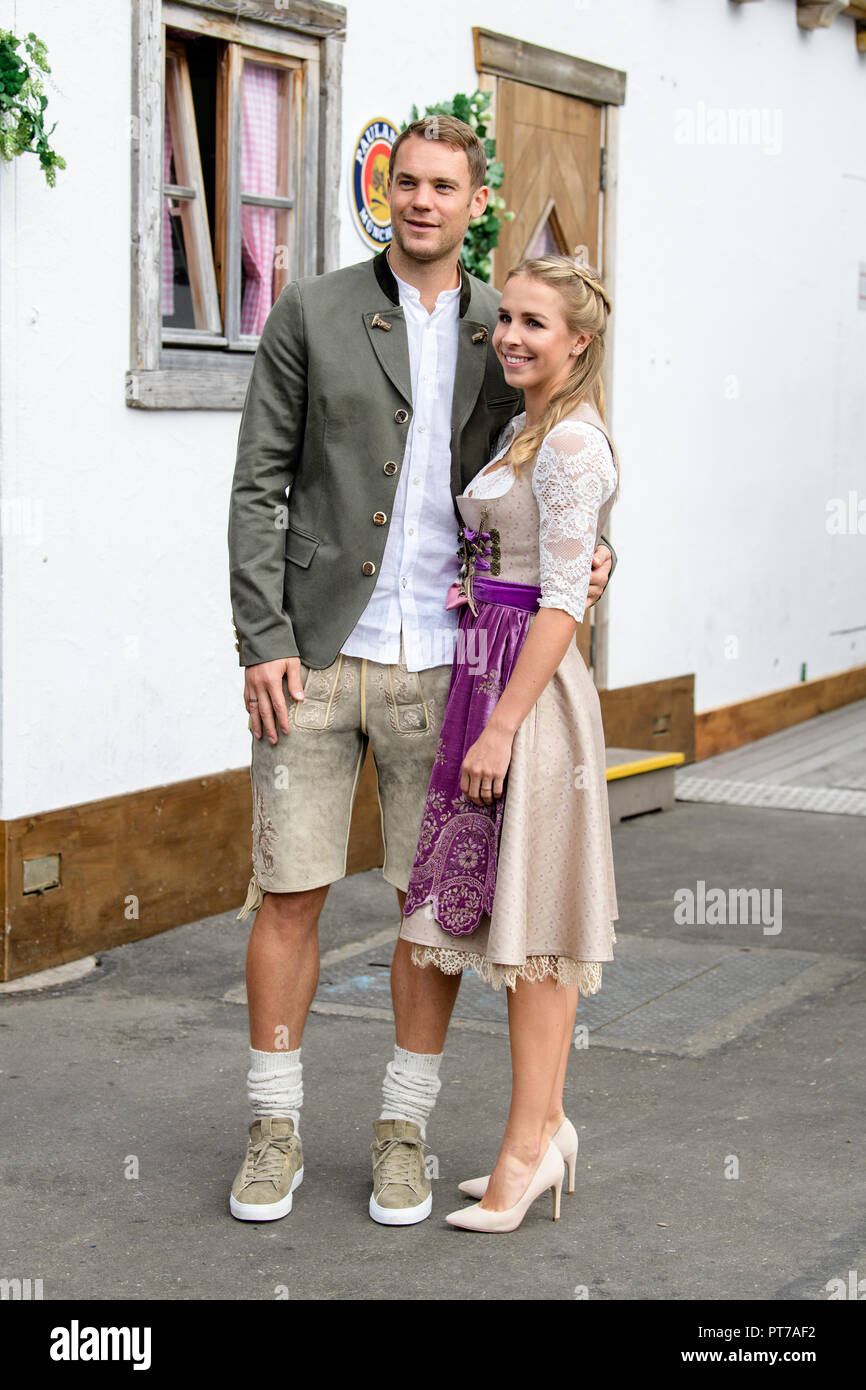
{"x":263,"y":694}
{"x":601,"y":562}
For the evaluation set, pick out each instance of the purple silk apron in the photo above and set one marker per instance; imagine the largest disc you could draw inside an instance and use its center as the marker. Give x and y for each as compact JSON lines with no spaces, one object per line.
{"x":455,"y":861}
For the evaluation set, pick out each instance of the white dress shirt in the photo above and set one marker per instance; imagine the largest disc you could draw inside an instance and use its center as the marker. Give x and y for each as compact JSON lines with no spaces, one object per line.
{"x":420,"y":559}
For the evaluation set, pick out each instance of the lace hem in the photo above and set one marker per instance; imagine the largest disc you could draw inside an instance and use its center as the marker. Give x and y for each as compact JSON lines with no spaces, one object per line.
{"x":586,"y":974}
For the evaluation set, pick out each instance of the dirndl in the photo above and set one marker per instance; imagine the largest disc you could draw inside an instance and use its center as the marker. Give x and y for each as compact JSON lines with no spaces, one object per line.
{"x":454,"y":870}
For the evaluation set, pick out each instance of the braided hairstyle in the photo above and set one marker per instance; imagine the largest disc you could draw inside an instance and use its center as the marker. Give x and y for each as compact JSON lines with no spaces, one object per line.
{"x":586,"y":306}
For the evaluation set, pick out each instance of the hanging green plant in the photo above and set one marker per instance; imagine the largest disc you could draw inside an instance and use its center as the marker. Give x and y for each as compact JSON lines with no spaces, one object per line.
{"x":23,"y":103}
{"x":483,"y":233}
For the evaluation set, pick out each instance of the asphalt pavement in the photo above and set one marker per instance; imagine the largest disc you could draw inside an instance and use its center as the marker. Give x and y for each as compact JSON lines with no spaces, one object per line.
{"x":719,"y":1101}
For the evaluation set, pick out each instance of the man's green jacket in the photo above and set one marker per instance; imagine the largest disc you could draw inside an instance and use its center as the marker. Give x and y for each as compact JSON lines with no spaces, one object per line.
{"x":326,"y":415}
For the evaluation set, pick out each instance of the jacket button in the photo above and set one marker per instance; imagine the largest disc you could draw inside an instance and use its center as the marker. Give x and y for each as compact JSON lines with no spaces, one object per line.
{"x":401,"y":416}
{"x":390,"y":468}
{"x":368,"y":567}
{"x":379,"y":518}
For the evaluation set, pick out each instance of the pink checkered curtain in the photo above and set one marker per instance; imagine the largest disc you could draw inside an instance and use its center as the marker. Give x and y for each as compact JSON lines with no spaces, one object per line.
{"x":167,"y":245}
{"x":259,"y":95}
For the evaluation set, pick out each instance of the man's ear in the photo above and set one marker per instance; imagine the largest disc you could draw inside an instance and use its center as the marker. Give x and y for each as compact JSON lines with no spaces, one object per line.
{"x":479,"y":201}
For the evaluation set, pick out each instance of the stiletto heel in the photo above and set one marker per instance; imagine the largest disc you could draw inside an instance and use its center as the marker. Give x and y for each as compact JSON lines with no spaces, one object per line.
{"x":565,"y":1140}
{"x":557,"y":1197}
{"x":549,"y":1174}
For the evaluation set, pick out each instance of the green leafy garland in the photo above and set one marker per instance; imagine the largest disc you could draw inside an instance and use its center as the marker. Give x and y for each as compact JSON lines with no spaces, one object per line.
{"x":483,"y":233}
{"x":23,"y":103}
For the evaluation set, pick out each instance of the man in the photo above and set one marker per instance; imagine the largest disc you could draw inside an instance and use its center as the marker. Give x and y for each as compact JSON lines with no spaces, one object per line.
{"x":375,"y":396}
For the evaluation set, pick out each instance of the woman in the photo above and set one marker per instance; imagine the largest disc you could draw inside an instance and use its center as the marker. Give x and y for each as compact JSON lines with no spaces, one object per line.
{"x":515,"y":881}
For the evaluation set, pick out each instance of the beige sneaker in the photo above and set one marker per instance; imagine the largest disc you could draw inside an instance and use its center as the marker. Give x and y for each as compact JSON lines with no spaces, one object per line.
{"x":401,"y":1188}
{"x":272,"y":1169}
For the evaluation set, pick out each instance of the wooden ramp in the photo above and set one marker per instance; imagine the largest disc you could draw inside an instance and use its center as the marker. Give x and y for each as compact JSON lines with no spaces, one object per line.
{"x":819,"y":765}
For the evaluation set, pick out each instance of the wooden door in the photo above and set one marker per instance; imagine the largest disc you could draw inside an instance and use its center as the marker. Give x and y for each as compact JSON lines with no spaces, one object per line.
{"x":550,"y":145}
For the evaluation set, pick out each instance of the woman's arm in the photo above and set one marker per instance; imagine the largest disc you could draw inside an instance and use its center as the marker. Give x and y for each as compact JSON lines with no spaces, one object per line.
{"x":573,"y":476}
{"x":547,"y":641}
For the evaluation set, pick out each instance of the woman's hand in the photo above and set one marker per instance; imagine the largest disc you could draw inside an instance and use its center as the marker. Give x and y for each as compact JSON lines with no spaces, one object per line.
{"x":600,"y":574}
{"x":486,"y":764}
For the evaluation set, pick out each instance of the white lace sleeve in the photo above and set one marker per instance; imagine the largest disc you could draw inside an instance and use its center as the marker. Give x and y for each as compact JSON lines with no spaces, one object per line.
{"x":573,"y":477}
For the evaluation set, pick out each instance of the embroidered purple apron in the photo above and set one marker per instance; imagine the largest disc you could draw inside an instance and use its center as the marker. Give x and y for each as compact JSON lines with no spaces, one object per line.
{"x":455,"y":862}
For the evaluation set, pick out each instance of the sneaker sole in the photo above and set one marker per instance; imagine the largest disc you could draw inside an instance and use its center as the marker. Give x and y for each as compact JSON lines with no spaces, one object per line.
{"x":271,"y":1211}
{"x":401,"y":1216}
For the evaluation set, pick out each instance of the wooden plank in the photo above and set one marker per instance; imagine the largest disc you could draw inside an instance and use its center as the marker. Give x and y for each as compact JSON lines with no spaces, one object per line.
{"x":131,"y":866}
{"x":657,"y":716}
{"x":188,"y":171}
{"x":792,"y":754}
{"x":136,"y":865}
{"x":221,"y":174}
{"x":313,"y":17}
{"x":230,"y":137}
{"x":731,"y":726}
{"x":188,"y":388}
{"x":307,"y":150}
{"x":146,"y":187}
{"x":607,"y":269}
{"x":819,"y":14}
{"x":330,"y":155}
{"x":504,"y":56}
{"x":4,"y":903}
{"x":287,"y":184}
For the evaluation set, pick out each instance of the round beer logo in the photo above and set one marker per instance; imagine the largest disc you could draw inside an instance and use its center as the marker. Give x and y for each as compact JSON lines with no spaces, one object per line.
{"x":369,"y":187}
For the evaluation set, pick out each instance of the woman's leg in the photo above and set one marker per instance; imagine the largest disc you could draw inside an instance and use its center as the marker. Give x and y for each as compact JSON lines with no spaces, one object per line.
{"x":539,"y":1016}
{"x":557,"y":1110}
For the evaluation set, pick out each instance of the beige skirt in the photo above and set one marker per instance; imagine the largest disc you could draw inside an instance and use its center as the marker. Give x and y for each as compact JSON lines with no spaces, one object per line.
{"x":555,"y":902}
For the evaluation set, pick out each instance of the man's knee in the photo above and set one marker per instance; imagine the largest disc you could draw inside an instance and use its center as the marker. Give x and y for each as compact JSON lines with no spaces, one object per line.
{"x":296,"y":912}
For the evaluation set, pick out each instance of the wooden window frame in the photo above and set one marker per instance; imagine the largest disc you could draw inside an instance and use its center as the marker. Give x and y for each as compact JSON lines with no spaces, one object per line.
{"x":213,"y":371}
{"x":189,"y":194}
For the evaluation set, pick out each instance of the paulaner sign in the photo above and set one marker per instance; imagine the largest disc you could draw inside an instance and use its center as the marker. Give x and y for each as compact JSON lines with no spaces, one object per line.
{"x":368,"y":187}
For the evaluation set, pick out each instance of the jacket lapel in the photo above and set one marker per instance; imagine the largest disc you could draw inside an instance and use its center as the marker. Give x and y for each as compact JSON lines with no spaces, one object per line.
{"x":386,"y":329}
{"x":472,"y":349}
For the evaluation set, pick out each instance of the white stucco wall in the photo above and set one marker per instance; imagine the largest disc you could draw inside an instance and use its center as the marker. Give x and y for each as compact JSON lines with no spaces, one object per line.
{"x":738,"y":384}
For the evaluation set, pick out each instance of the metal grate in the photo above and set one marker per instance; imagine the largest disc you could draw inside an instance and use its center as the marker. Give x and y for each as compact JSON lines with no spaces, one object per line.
{"x":832,"y":801}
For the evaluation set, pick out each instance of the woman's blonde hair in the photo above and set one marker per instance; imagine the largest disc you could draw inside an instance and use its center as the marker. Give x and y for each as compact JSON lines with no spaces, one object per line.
{"x":586,"y":308}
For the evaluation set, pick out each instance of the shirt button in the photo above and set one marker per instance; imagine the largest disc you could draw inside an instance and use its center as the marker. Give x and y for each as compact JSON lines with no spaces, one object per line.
{"x":401,"y":416}
{"x":416,"y":481}
{"x":411,"y":531}
{"x":368,"y":567}
{"x":390,"y":468}
{"x":379,"y":518}
{"x":422,"y":429}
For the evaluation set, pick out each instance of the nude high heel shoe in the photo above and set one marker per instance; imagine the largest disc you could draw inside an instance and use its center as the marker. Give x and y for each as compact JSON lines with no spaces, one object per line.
{"x":549,"y":1174}
{"x":565,"y":1140}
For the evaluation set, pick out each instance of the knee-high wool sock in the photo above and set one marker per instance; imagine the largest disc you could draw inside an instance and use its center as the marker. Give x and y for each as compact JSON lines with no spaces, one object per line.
{"x":411,"y":1086}
{"x":275,"y":1085}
